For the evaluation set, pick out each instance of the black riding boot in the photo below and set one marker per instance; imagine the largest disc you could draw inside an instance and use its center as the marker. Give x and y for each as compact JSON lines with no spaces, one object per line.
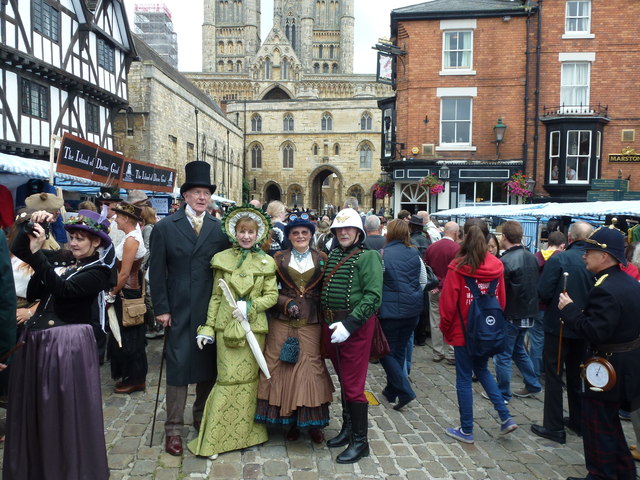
{"x":343,"y":437}
{"x":358,"y":445}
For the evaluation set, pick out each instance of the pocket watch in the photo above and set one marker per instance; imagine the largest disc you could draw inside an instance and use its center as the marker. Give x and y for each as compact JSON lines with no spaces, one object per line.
{"x":599,"y":374}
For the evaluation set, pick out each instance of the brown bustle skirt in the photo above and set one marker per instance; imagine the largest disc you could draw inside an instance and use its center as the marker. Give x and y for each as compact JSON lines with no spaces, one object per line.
{"x":298,"y":393}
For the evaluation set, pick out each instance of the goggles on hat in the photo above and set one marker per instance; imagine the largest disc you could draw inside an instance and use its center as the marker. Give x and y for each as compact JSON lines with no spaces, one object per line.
{"x":295,"y":216}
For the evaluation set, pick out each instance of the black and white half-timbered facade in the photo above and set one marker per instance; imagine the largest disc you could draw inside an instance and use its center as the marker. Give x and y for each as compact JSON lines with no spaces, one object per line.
{"x":63,"y":69}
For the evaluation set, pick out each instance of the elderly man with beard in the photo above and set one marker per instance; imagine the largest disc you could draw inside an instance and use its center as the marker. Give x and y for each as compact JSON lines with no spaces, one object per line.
{"x":351,"y":294}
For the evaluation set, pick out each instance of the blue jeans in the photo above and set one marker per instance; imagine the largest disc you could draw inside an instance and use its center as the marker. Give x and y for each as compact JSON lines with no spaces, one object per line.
{"x":397,"y":331}
{"x":536,"y":343}
{"x":408,"y":359}
{"x":515,"y":351}
{"x":465,"y":366}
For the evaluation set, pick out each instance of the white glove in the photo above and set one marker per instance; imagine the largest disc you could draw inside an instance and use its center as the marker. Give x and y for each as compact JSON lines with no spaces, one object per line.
{"x":202,"y":340}
{"x":340,"y":333}
{"x":237,"y":314}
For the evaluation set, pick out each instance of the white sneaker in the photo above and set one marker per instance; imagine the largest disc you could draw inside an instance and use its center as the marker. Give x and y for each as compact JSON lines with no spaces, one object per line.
{"x":484,"y":395}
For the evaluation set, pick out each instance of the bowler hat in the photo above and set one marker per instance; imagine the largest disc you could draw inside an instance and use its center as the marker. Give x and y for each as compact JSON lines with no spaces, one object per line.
{"x":197,"y":174}
{"x":416,"y":220}
{"x":608,"y":239}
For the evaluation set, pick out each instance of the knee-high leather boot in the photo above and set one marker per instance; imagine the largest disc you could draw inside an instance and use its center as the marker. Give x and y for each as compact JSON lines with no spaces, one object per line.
{"x":358,"y":446}
{"x":343,"y":437}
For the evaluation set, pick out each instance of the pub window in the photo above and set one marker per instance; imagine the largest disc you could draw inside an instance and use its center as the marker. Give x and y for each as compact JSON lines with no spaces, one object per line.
{"x":35,"y":99}
{"x":578,"y":156}
{"x":554,"y":156}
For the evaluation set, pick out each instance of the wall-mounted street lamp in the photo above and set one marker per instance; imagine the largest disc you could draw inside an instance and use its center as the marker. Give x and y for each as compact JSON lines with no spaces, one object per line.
{"x":499,"y":130}
{"x":530,"y":184}
{"x":443,"y":173}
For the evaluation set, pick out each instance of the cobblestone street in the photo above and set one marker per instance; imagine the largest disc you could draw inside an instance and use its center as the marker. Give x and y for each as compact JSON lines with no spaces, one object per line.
{"x":404,"y":445}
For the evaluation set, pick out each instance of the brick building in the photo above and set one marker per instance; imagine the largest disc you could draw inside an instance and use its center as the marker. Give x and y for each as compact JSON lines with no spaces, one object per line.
{"x":545,"y":71}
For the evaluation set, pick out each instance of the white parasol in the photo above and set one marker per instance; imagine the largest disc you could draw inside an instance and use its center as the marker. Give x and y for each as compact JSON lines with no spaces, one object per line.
{"x":251,"y":338}
{"x":113,"y":325}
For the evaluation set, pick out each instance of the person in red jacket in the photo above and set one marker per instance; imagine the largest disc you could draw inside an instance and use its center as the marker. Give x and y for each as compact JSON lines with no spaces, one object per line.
{"x":472,"y":261}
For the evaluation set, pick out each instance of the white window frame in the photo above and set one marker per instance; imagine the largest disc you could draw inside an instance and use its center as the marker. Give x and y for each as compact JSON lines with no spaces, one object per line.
{"x":457,"y":145}
{"x":456,"y":70}
{"x":568,"y":87}
{"x":554,"y":137}
{"x":577,"y":156}
{"x":585,"y":32}
{"x":494,"y":186}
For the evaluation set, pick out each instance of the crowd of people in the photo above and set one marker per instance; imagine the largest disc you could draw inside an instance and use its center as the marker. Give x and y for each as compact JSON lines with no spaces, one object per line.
{"x":252,"y":304}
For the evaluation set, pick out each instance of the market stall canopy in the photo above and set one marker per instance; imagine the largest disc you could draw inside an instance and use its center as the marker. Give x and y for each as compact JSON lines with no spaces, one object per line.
{"x":26,"y":168}
{"x":546,"y":210}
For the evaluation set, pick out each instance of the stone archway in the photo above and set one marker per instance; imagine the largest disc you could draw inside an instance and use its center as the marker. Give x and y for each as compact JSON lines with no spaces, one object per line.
{"x":272,"y":192}
{"x":326,"y":189}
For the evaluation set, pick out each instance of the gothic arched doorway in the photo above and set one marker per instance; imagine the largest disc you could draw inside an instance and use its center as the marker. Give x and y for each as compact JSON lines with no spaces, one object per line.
{"x":272,"y":192}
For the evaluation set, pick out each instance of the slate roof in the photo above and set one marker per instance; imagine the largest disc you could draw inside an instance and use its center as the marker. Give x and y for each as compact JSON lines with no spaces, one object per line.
{"x":439,"y":9}
{"x":145,"y":52}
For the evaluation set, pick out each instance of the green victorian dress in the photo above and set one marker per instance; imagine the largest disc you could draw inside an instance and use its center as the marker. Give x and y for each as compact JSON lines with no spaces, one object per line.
{"x":228,"y":420}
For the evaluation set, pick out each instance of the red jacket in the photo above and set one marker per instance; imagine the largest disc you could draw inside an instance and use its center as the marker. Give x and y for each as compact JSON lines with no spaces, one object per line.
{"x":456,"y":295}
{"x":631,"y":270}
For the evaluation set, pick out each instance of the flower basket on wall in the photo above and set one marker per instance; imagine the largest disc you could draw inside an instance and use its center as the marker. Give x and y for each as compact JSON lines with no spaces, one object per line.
{"x":517,"y":186}
{"x":382,"y":189}
{"x":432,"y":183}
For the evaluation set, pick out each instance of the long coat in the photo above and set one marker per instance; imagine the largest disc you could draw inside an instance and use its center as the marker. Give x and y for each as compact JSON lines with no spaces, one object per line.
{"x":181,"y":283}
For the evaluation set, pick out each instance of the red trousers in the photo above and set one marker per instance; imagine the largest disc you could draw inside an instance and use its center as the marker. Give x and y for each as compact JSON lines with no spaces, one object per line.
{"x":350,"y":359}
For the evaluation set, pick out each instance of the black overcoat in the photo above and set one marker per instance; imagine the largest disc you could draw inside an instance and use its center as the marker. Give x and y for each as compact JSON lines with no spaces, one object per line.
{"x":181,"y":284}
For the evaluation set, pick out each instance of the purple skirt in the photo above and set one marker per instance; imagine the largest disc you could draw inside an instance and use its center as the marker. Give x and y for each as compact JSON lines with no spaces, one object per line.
{"x":55,"y":429}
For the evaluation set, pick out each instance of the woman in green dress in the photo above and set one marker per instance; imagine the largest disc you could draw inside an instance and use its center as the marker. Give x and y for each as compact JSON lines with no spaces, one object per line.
{"x":228,"y":421}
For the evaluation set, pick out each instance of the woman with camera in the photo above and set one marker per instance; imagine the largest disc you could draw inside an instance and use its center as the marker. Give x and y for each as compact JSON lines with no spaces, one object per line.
{"x":55,"y":428}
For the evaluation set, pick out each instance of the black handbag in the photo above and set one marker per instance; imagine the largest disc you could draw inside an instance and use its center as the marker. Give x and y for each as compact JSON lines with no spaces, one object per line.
{"x":432,"y":279}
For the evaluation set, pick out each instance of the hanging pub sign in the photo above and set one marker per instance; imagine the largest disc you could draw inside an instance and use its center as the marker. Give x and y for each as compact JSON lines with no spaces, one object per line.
{"x":84,"y":159}
{"x":87,"y":160}
{"x":147,"y":176}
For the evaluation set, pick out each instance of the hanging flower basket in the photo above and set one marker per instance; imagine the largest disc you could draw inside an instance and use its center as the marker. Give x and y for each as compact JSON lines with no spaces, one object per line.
{"x":432,"y":183}
{"x":382,"y":189}
{"x":517,"y":186}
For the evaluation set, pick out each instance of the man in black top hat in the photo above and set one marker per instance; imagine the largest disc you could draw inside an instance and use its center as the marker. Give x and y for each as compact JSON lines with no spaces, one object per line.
{"x":610,"y":325}
{"x":182,"y":246}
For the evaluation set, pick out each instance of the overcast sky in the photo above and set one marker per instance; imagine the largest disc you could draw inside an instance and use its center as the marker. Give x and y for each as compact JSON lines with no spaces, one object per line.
{"x":372,"y":22}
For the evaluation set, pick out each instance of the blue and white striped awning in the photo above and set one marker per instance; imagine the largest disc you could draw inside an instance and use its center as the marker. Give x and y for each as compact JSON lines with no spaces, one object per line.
{"x":32,"y":168}
{"x":547,"y":210}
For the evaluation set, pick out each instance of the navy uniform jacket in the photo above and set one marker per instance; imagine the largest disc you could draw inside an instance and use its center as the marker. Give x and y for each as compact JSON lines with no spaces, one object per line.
{"x":611,"y":316}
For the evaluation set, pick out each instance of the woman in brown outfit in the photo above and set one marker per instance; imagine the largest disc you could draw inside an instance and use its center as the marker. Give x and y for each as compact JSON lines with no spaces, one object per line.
{"x":300,"y":389}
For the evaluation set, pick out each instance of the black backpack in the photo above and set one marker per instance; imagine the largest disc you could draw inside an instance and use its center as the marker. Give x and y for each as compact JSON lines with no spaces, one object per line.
{"x":485,"y":332}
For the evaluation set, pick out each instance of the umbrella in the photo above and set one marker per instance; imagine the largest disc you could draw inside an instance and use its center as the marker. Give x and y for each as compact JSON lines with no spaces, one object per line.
{"x":113,"y":325}
{"x":251,"y":338}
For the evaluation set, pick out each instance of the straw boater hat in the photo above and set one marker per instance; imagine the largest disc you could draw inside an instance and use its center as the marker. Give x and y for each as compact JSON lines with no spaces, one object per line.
{"x":129,"y":210}
{"x":197,"y":174}
{"x":91,"y":222}
{"x":44,"y":201}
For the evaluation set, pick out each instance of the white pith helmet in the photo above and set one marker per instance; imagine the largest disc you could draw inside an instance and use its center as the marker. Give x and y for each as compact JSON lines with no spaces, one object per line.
{"x":348,"y":218}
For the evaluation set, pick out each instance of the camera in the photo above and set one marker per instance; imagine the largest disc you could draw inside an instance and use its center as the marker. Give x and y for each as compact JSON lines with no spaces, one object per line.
{"x":30,"y":225}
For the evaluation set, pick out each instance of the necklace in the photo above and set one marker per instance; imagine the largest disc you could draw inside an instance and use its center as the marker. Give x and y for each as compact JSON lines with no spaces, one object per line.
{"x":300,"y":256}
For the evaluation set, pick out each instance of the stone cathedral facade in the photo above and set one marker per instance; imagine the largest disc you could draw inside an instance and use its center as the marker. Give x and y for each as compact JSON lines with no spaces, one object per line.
{"x":311,"y":126}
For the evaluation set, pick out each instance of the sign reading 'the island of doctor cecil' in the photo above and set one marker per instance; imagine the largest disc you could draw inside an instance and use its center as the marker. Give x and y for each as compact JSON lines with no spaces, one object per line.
{"x":87,"y":160}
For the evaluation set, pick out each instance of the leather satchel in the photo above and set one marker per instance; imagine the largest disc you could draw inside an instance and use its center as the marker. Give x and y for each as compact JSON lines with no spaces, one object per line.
{"x":379,"y":343}
{"x":133,"y":310}
{"x":432,"y":279}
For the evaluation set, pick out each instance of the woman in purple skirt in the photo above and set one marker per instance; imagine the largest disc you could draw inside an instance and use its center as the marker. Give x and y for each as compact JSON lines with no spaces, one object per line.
{"x":55,"y":428}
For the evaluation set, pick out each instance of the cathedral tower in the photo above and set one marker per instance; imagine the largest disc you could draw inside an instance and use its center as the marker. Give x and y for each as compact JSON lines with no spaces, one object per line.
{"x":230,"y":35}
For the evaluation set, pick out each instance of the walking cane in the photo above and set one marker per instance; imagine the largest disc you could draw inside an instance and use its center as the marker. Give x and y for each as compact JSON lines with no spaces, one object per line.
{"x":155,"y":409}
{"x":564,"y":290}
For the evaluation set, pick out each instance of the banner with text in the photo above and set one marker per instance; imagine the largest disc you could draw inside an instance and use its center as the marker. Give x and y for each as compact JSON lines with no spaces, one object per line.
{"x":85,"y":159}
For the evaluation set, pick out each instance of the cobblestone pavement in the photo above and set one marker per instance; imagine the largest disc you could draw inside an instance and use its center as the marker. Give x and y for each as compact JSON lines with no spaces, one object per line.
{"x":404,"y":445}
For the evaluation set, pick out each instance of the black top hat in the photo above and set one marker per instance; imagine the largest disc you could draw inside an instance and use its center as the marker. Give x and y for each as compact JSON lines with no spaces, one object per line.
{"x":198,"y":174}
{"x":109,"y":194}
{"x":608,"y":239}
